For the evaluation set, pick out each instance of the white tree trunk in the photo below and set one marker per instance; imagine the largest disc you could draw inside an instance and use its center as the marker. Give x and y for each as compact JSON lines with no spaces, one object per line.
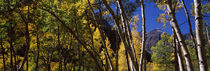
{"x":143,"y":36}
{"x":200,"y":36}
{"x":102,"y":36}
{"x":179,"y":54}
{"x":128,"y":36}
{"x":176,"y":28}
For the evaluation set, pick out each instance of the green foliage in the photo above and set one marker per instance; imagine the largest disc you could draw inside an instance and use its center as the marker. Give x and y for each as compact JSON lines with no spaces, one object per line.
{"x":163,"y":51}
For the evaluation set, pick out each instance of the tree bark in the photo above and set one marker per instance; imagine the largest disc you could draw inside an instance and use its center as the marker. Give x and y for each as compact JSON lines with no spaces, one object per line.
{"x":37,"y":43}
{"x":127,"y":60}
{"x":145,"y":64}
{"x":179,"y":55}
{"x":119,"y":30}
{"x":190,"y":27}
{"x":64,"y":64}
{"x":59,"y":49}
{"x":14,"y":55}
{"x":102,"y":36}
{"x":176,"y":28}
{"x":200,"y":36}
{"x":176,"y":64}
{"x":128,"y":36}
{"x":10,"y":31}
{"x":27,"y":40}
{"x":116,"y":60}
{"x":143,"y":36}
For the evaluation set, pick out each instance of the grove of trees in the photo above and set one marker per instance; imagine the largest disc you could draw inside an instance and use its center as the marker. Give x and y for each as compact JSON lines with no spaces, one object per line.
{"x":100,"y":35}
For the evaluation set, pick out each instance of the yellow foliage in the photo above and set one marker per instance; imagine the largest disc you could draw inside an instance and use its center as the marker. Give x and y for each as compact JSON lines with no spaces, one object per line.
{"x":97,"y":38}
{"x":84,"y":21}
{"x":137,"y":43}
{"x":108,"y":45}
{"x":122,"y":58}
{"x":156,"y":67}
{"x":54,"y":66}
{"x":55,"y":1}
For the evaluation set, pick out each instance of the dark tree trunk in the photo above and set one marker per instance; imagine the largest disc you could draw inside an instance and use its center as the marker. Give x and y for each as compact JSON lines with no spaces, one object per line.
{"x":64,"y":62}
{"x":27,"y":41}
{"x":11,"y":57}
{"x":14,"y":55}
{"x":127,"y":60}
{"x":10,"y":31}
{"x":145,"y":64}
{"x":59,"y":49}
{"x":116,"y":60}
{"x":37,"y":43}
{"x":176,"y":65}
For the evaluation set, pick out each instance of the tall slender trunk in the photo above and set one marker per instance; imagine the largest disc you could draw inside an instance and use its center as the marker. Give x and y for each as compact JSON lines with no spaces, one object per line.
{"x":116,"y":59}
{"x":120,"y":33}
{"x":143,"y":36}
{"x":14,"y":55}
{"x":145,"y":63}
{"x":3,"y":52}
{"x":10,"y":31}
{"x":27,"y":41}
{"x":190,"y":27}
{"x":176,"y":64}
{"x":179,"y":55}
{"x":106,"y":64}
{"x":102,"y":36}
{"x":64,"y":64}
{"x":11,"y":57}
{"x":200,"y":36}
{"x":37,"y":43}
{"x":127,"y":60}
{"x":117,"y":52}
{"x":59,"y":49}
{"x":128,"y":30}
{"x":105,"y":47}
{"x":177,"y":31}
{"x":27,"y":63}
{"x":128,"y":36}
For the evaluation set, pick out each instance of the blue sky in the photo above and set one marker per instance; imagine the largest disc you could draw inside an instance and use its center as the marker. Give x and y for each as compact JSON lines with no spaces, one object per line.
{"x":152,"y":14}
